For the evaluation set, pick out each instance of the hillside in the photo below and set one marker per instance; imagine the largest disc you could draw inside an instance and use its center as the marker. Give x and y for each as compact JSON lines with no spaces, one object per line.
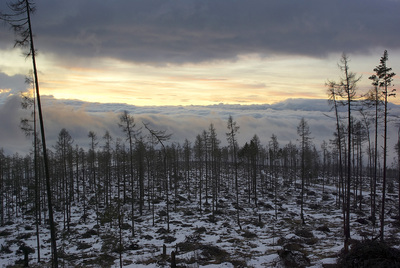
{"x":272,"y":234}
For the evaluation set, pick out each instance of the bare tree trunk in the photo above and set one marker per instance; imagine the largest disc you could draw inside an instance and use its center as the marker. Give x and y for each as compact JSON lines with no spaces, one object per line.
{"x":46,"y":161}
{"x":384,"y":168}
{"x":398,"y":171}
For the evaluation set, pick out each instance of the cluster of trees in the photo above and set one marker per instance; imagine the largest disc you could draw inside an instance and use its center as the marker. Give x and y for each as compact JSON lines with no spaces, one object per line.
{"x":142,"y":169}
{"x":372,"y":111}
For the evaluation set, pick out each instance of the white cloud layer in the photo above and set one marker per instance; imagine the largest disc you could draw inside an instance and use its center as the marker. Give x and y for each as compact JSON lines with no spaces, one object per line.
{"x":184,"y":122}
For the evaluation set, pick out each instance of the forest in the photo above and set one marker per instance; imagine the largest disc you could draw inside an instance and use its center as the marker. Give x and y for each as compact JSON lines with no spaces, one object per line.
{"x":140,"y":200}
{"x":132,"y":194}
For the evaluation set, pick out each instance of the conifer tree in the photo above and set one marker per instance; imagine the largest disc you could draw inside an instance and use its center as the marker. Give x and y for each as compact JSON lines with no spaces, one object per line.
{"x":231,"y":136}
{"x":384,"y":77}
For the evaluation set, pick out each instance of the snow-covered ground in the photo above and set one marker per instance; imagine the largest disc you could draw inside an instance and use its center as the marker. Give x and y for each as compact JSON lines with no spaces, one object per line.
{"x":198,"y":239}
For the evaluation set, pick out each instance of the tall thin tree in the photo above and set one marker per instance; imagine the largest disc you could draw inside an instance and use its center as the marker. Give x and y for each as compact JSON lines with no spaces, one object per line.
{"x":161,"y":137}
{"x":127,"y":124}
{"x":231,"y":136}
{"x":346,"y":89}
{"x":27,"y":103}
{"x":374,"y":99}
{"x":397,"y":147}
{"x":303,"y":130}
{"x":20,"y":21}
{"x":333,"y":100}
{"x":384,"y":77}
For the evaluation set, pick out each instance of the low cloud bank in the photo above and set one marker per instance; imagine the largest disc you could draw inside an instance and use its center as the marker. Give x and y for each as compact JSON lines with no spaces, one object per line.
{"x":184,"y":122}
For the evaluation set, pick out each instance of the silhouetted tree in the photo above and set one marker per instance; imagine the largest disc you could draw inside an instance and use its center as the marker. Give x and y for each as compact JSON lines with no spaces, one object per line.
{"x":214,"y":158}
{"x":374,"y":99}
{"x":140,"y":152}
{"x":274,"y":156}
{"x":107,"y":160}
{"x":346,"y":89}
{"x":162,"y":137}
{"x":333,"y":95}
{"x":397,"y":148}
{"x":303,"y":130}
{"x":384,"y":77}
{"x":29,"y":102}
{"x":231,"y":136}
{"x":187,"y":159}
{"x":127,"y":124}
{"x":64,"y":151}
{"x":92,"y":157}
{"x":2,"y":191}
{"x":206,"y":150}
{"x":20,"y":21}
{"x":199,"y":153}
{"x":367,"y":120}
{"x":254,"y":151}
{"x":324,"y":147}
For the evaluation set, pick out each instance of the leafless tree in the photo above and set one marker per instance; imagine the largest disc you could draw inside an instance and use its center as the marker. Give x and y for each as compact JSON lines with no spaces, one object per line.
{"x":127,"y":124}
{"x":346,"y":90}
{"x":162,"y":137}
{"x":303,"y":130}
{"x":20,"y":21}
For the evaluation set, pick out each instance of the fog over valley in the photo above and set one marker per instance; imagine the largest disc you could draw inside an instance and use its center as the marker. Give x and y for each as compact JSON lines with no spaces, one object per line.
{"x":183,"y":122}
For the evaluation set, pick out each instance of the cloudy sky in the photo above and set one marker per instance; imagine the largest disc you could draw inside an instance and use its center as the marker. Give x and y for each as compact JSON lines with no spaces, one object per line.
{"x":183,"y":52}
{"x":203,"y":57}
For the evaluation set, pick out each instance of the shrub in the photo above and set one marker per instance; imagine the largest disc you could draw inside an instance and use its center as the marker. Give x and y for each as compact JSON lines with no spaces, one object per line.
{"x":188,"y":213}
{"x":323,"y":228}
{"x":187,"y":246}
{"x":169,"y":239}
{"x":28,"y":228}
{"x":89,"y":233}
{"x":109,"y":215}
{"x":248,"y":234}
{"x":5,"y":249}
{"x":293,"y":258}
{"x":110,"y":243}
{"x":83,"y":245}
{"x":126,"y":226}
{"x":213,"y":252}
{"x":104,"y":260}
{"x":24,"y":236}
{"x":200,"y":230}
{"x":370,"y":254}
{"x":304,"y":233}
{"x":5,"y":233}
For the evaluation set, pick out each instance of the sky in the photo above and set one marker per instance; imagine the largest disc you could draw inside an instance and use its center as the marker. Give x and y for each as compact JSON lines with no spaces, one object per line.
{"x":200,"y":52}
{"x":183,"y":64}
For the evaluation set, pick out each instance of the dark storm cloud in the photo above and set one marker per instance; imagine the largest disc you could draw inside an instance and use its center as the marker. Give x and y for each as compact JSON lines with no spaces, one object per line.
{"x":163,"y":31}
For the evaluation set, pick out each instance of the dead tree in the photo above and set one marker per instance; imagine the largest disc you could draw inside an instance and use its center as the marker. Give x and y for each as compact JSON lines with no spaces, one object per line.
{"x":20,"y":21}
